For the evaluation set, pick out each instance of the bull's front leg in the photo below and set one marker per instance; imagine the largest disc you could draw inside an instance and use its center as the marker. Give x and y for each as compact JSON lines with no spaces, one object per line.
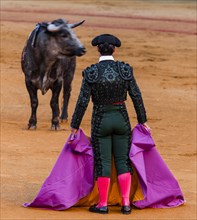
{"x":55,"y":105}
{"x":32,"y":90}
{"x":66,"y":95}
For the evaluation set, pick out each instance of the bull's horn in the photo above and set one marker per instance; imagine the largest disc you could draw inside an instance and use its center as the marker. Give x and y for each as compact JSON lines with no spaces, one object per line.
{"x":76,"y":24}
{"x":54,"y":28}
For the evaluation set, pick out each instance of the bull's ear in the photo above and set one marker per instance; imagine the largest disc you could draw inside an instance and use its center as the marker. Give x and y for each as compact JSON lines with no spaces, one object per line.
{"x":43,"y":25}
{"x":76,"y":24}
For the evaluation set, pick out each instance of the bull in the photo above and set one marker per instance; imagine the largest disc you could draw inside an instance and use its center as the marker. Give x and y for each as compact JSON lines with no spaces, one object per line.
{"x":48,"y":62}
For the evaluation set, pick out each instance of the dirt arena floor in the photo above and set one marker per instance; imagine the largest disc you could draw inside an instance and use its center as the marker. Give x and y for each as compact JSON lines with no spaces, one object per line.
{"x":158,"y":40}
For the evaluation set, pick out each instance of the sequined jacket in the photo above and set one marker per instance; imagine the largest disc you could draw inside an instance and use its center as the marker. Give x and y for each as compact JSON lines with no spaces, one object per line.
{"x":108,"y":82}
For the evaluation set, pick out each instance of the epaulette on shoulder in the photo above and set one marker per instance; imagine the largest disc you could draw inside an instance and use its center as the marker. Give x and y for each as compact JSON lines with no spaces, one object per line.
{"x":125,"y":70}
{"x":91,"y":73}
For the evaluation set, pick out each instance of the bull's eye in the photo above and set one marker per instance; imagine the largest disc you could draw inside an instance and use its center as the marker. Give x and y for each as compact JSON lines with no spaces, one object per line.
{"x":64,"y":35}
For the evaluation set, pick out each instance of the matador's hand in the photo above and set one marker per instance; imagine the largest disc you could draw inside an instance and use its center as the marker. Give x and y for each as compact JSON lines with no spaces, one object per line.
{"x":73,"y":133}
{"x":147,"y":127}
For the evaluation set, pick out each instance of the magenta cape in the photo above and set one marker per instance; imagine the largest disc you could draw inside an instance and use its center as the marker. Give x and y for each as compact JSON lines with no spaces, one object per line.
{"x":72,"y":176}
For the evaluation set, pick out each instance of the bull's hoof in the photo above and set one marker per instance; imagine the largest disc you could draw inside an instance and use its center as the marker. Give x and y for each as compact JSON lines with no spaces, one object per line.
{"x":55,"y":127}
{"x":63,"y":120}
{"x":31,"y":127}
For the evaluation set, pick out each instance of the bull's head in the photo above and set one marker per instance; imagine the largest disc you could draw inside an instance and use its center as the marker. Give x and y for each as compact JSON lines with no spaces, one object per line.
{"x":61,"y":40}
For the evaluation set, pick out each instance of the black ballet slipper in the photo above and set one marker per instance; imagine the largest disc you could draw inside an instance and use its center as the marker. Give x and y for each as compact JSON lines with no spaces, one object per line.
{"x":126,"y":209}
{"x":101,"y":210}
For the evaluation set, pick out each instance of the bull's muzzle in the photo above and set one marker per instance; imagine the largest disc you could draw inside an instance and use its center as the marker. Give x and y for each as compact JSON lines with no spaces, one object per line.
{"x":81,"y":51}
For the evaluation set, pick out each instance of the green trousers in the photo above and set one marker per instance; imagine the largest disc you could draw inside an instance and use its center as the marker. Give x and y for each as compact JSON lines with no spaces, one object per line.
{"x":112,"y":138}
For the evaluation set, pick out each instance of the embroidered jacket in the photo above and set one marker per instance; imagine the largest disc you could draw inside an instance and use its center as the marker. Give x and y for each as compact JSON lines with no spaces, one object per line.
{"x":108,"y":82}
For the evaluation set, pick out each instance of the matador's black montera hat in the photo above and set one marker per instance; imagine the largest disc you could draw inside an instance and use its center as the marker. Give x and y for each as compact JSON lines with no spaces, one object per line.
{"x":110,"y":39}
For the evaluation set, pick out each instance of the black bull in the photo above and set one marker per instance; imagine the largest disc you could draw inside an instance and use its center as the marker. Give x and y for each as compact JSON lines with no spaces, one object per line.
{"x":48,"y":61}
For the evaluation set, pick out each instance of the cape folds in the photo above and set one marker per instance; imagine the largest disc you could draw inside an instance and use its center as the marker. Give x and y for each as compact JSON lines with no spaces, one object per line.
{"x":71,"y":181}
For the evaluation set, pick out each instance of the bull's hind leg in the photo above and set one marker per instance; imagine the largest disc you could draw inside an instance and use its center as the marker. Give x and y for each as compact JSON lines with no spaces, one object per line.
{"x":34,"y":104}
{"x":55,"y":105}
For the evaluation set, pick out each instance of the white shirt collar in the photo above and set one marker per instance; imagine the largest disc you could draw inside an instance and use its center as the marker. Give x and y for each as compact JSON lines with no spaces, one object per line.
{"x":108,"y":57}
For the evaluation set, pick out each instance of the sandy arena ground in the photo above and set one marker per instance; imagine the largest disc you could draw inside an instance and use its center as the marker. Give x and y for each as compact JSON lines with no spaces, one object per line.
{"x":158,"y":40}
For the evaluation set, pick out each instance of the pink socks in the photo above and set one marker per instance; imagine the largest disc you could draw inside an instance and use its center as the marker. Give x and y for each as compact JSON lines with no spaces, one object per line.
{"x":124,"y":181}
{"x":103,"y":188}
{"x":103,"y":183}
